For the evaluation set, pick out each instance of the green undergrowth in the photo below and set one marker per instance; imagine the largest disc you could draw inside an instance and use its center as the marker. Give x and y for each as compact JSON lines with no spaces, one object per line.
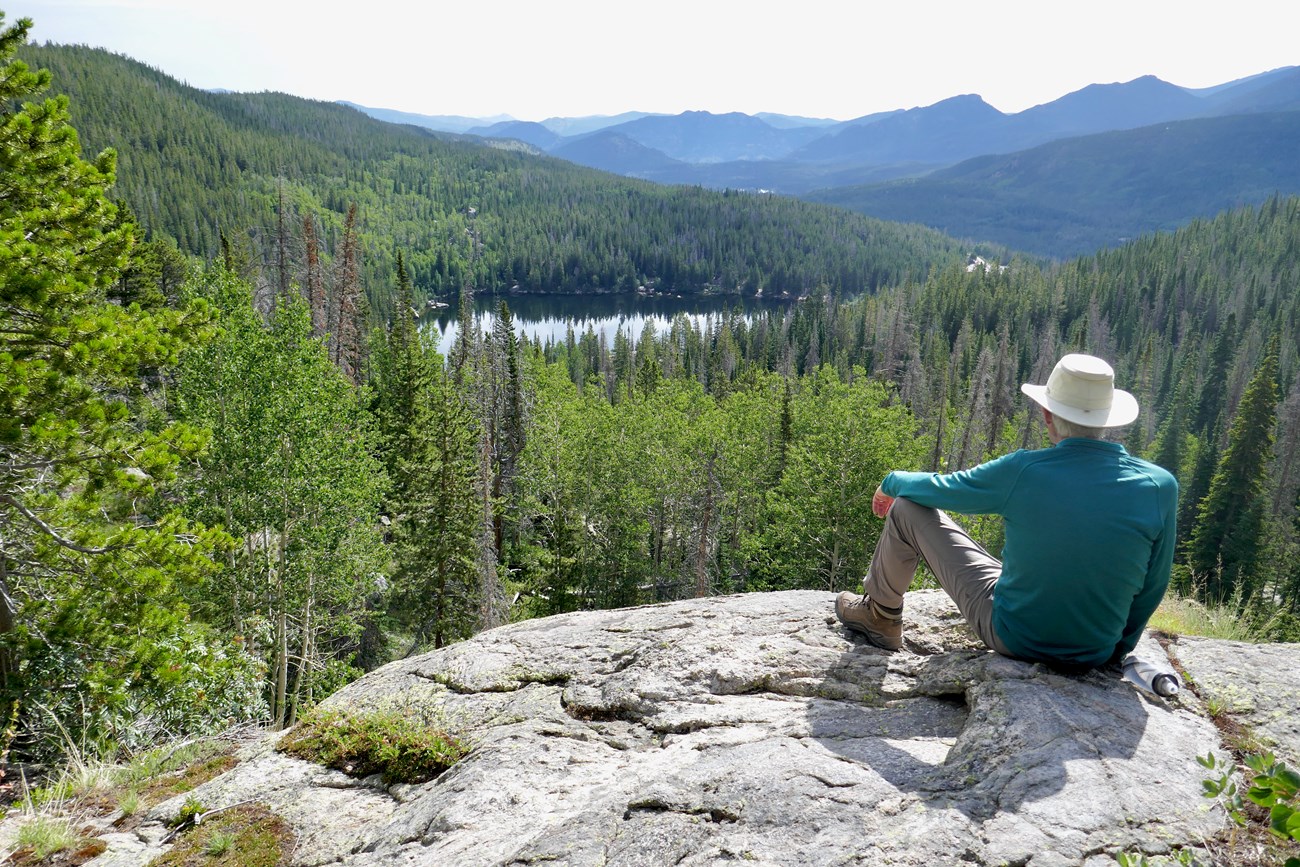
{"x":1182,"y":615}
{"x":52,"y":815}
{"x":50,"y":839}
{"x":136,"y":784}
{"x":401,"y":747}
{"x":1261,"y":797}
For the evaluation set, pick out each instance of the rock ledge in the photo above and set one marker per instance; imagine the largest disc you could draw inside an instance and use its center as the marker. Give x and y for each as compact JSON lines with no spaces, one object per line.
{"x":755,"y":728}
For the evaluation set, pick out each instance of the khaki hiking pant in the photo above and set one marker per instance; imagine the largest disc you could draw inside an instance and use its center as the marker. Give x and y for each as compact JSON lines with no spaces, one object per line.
{"x":965,"y":570}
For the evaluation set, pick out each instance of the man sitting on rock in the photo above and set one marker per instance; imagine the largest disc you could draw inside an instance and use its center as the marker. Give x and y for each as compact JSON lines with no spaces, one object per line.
{"x":1089,"y":535}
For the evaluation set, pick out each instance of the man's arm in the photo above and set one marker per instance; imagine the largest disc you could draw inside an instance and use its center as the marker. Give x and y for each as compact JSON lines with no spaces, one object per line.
{"x":978,"y":491}
{"x":1157,"y":580}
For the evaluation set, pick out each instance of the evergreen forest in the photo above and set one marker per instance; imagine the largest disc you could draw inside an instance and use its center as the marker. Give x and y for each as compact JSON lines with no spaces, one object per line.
{"x":235,"y":473}
{"x":195,"y":167}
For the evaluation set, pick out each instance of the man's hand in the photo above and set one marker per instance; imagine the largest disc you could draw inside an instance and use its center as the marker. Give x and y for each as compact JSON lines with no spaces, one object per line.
{"x":880,"y":503}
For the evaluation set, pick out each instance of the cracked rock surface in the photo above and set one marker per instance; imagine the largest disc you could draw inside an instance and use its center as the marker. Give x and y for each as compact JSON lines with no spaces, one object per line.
{"x":1258,"y":684}
{"x":753,"y":728}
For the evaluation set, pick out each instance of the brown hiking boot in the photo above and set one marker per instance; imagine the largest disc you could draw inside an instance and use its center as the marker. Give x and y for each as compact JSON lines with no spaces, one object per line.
{"x":861,"y":613}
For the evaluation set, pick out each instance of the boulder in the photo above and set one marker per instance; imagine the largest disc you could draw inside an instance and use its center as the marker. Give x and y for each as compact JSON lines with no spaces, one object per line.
{"x":1257,"y":685}
{"x":756,"y":728}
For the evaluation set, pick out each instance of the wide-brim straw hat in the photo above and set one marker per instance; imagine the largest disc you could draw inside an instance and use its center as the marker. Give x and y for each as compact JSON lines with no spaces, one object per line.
{"x":1082,"y":390}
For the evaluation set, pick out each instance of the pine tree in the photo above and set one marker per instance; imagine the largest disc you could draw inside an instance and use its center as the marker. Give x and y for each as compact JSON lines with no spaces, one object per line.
{"x":314,"y":280}
{"x":400,"y":382}
{"x":1214,"y":388}
{"x":1171,"y":440}
{"x":513,"y":424}
{"x":349,"y":312}
{"x":86,"y":541}
{"x":1225,"y":543}
{"x":437,"y":539}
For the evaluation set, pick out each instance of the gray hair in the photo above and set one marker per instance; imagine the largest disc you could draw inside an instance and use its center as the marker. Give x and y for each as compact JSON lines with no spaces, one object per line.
{"x":1069,"y":429}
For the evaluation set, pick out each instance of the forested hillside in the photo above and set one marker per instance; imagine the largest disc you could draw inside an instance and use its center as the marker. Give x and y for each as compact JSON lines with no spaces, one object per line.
{"x":1195,"y":322}
{"x":215,"y":511}
{"x":1074,"y":196}
{"x":194,"y":165}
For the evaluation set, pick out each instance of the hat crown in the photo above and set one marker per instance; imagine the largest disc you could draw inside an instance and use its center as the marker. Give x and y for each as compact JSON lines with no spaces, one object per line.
{"x":1082,"y":381}
{"x":1082,"y":390}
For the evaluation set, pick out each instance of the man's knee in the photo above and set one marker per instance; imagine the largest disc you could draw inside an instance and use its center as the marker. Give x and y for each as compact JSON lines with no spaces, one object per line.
{"x":907,"y":511}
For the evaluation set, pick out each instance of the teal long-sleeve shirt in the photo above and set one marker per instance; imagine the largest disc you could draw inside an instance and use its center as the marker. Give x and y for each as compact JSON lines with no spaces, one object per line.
{"x":1089,"y":543}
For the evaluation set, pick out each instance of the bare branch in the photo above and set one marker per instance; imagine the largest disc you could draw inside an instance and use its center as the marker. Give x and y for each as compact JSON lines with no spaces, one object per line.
{"x":51,"y":532}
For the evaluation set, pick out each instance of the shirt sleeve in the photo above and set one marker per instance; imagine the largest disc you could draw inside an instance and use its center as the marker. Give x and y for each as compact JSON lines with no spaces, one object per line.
{"x":1157,"y":578}
{"x":980,"y":490}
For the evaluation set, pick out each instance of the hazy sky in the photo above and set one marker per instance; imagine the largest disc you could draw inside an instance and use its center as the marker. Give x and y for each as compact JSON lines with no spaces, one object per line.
{"x":535,"y":59}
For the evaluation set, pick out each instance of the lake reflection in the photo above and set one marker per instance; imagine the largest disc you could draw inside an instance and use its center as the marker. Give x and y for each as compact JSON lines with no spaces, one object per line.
{"x":548,"y":317}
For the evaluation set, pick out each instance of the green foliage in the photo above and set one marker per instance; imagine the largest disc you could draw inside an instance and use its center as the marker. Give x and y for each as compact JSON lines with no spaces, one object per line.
{"x":847,"y":437}
{"x":289,"y":474}
{"x":190,"y":813}
{"x":1184,"y":615}
{"x":1223,"y":788}
{"x":168,"y":770}
{"x":675,"y":492}
{"x":1274,"y":787}
{"x":219,"y":843}
{"x":1184,"y":857}
{"x":389,"y":742}
{"x":1225,"y":546}
{"x":46,"y":835}
{"x":93,"y":552}
{"x":129,"y":803}
{"x":429,"y":440}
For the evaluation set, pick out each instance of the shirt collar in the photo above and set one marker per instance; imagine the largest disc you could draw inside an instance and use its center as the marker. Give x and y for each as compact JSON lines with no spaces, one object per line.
{"x":1088,"y":443}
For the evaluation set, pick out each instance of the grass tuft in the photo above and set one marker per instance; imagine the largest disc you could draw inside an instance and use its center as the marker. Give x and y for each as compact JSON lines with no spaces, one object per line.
{"x":44,"y":835}
{"x":1181,"y":615}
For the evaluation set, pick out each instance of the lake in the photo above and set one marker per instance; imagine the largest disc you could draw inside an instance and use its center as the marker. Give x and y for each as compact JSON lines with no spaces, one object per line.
{"x":548,"y":317}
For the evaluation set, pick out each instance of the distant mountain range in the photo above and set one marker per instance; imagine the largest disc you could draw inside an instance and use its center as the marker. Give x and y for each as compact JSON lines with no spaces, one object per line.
{"x":905,"y":164}
{"x":1077,"y":195}
{"x":698,"y":147}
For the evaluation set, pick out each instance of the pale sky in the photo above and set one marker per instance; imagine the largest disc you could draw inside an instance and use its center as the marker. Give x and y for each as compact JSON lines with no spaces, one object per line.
{"x":534,"y":59}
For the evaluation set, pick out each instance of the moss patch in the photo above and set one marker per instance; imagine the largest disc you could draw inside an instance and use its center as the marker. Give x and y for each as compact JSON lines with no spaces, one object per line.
{"x":249,"y":835}
{"x":391,"y":743}
{"x":186,"y":780}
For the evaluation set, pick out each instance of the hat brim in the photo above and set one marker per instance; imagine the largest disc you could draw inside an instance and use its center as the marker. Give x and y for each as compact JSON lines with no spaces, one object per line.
{"x":1123,"y":408}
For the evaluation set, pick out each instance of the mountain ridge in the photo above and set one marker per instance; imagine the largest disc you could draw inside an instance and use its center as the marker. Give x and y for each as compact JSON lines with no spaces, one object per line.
{"x":804,"y":153}
{"x":1076,"y":195}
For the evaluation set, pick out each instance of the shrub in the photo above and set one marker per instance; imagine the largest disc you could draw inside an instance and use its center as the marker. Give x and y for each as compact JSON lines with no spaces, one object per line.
{"x":190,"y":813}
{"x":388,"y":742}
{"x":1275,"y":788}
